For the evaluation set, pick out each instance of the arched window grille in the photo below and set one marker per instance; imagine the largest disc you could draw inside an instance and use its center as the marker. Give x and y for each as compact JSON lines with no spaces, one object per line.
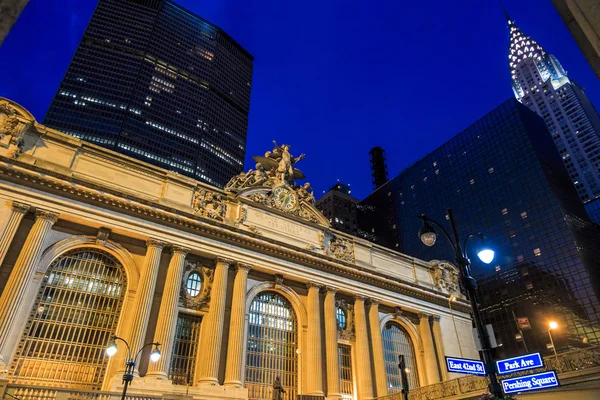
{"x":396,"y":341}
{"x":74,"y":315}
{"x":272,"y":345}
{"x":340,"y":316}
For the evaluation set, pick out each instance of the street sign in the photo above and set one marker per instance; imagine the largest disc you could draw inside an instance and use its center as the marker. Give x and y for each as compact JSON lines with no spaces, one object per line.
{"x":543,"y":380}
{"x":465,"y":366}
{"x":521,"y":363}
{"x":523,"y":323}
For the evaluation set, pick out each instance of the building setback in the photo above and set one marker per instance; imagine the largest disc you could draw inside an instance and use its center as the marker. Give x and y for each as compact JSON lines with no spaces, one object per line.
{"x":154,"y":81}
{"x":339,"y":207}
{"x":540,"y":82}
{"x":503,"y":177}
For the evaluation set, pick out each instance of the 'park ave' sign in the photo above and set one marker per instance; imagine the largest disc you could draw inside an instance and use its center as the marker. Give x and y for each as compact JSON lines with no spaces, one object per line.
{"x":521,"y":363}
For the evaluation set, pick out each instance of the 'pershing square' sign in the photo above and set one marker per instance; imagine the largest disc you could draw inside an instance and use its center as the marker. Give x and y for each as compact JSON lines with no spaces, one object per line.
{"x":521,"y":363}
{"x":465,"y":366}
{"x":543,"y":380}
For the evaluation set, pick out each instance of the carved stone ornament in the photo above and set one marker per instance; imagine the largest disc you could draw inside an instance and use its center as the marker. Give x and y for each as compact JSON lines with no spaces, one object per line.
{"x":200,"y":301}
{"x":445,"y":277}
{"x":349,"y":333}
{"x":209,"y":204}
{"x":11,"y":129}
{"x":338,"y":247}
{"x":102,"y":236}
{"x":273,"y":184}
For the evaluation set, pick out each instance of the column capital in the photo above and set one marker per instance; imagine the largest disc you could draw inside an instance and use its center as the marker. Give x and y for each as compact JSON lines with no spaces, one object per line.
{"x":151,"y":242}
{"x":359,"y":297}
{"x":330,"y":289}
{"x":243,"y":267}
{"x":312,"y":284}
{"x":436,"y":318}
{"x":224,"y":260}
{"x":20,"y":207}
{"x":374,"y":302}
{"x":423,"y":315}
{"x":180,"y":249}
{"x":46,"y":215}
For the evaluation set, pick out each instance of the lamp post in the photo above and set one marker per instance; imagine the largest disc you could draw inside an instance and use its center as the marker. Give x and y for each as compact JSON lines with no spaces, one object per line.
{"x":428,"y":237}
{"x":403,"y":376}
{"x":450,"y":300}
{"x":551,"y":326}
{"x":130,"y":363}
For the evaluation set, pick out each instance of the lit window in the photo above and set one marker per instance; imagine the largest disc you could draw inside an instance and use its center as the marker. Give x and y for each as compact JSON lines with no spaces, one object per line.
{"x":472,"y":181}
{"x":193,"y":284}
{"x":523,"y":215}
{"x":490,"y":170}
{"x":519,"y":258}
{"x":340,"y":316}
{"x":537,"y":252}
{"x":504,"y":211}
{"x":497,"y":268}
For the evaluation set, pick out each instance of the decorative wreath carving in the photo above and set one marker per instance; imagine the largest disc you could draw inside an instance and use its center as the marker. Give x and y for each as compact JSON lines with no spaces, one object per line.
{"x":202,"y":300}
{"x":339,"y":247}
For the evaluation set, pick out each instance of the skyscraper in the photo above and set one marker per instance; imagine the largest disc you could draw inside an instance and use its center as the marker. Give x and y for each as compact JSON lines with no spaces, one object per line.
{"x":503,"y":177}
{"x":340,"y":208}
{"x":379,"y":171}
{"x":540,"y":82}
{"x":156,"y":82}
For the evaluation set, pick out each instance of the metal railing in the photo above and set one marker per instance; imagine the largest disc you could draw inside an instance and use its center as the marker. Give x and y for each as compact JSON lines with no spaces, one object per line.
{"x":28,"y":392}
{"x":576,"y":360}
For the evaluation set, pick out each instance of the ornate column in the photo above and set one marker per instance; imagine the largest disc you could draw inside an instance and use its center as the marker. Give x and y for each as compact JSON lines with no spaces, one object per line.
{"x":144,"y":295}
{"x":167,"y":316}
{"x":331,"y":346}
{"x":363,"y":355}
{"x":437,"y":335}
{"x":377,"y":347}
{"x":211,"y":332}
{"x":18,"y":210}
{"x":431,"y":367}
{"x":235,"y":348}
{"x":14,"y":291}
{"x":314,"y":362}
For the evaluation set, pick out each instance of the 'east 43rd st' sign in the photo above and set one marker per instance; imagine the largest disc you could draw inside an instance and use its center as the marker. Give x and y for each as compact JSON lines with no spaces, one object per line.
{"x":521,"y":363}
{"x":465,"y":366}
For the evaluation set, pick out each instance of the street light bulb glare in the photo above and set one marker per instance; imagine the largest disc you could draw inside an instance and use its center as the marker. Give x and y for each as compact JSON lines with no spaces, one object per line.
{"x":486,"y":255}
{"x":111,"y":350}
{"x":553,"y":325}
{"x":428,"y":238}
{"x":155,"y":355}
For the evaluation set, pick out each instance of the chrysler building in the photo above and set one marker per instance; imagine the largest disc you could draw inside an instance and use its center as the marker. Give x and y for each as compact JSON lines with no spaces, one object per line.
{"x":540,"y":82}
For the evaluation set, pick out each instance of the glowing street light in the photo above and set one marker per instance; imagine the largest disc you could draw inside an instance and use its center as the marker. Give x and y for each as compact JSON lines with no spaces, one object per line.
{"x":551,"y":326}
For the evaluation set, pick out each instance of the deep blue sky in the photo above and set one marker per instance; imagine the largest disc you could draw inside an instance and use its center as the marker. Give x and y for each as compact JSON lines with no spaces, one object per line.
{"x":332,"y":78}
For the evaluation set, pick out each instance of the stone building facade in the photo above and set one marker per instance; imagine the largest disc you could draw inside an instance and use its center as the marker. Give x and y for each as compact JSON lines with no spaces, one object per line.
{"x":238,"y":285}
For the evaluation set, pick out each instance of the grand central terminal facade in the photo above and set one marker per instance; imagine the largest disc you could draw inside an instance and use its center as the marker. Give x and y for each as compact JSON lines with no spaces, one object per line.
{"x":238,"y":285}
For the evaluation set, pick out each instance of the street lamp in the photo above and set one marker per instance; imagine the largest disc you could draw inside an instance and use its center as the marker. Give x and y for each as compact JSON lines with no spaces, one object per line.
{"x":428,"y":236}
{"x":551,"y":326}
{"x":130,"y":363}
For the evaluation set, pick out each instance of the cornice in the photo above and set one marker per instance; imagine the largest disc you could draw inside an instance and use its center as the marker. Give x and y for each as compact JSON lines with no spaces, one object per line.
{"x":90,"y":193}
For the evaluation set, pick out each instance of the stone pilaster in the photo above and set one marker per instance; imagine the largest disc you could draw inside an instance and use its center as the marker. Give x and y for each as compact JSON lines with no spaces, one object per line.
{"x":437,"y":335}
{"x":331,"y":346}
{"x":377,"y":348}
{"x":144,"y":295}
{"x":14,"y":291}
{"x":211,"y":332}
{"x":314,"y":363}
{"x":235,"y":348}
{"x":363,"y":353}
{"x":18,"y":210}
{"x":167,"y":316}
{"x":431,"y":367}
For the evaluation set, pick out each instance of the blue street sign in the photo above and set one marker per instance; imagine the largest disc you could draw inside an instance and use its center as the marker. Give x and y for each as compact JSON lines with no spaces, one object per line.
{"x":543,"y":380}
{"x":521,"y":363}
{"x":465,"y":366}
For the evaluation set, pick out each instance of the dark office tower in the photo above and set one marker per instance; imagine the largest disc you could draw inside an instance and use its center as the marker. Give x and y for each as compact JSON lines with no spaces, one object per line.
{"x":153,"y":81}
{"x":378,"y":167}
{"x":503,"y":177}
{"x":540,"y":82}
{"x":340,"y":208}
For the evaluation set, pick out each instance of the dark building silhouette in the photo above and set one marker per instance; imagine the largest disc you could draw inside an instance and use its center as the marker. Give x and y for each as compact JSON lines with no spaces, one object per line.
{"x":158,"y":83}
{"x":379,"y":170}
{"x":340,"y":208}
{"x":503,"y":177}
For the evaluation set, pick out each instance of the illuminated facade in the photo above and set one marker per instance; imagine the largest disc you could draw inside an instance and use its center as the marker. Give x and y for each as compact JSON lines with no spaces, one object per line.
{"x":155,"y":82}
{"x":540,"y":82}
{"x":238,"y":286}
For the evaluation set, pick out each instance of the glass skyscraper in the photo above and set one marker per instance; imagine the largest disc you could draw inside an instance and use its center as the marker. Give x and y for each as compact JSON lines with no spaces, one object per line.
{"x":503,"y":177}
{"x":153,"y":81}
{"x":540,"y":82}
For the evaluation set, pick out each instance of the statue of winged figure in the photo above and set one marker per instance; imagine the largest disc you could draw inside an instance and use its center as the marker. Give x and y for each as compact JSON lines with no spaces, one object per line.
{"x":281,"y":162}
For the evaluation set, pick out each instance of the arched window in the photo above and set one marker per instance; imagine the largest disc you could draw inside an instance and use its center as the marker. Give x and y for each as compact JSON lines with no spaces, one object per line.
{"x":340,"y":316}
{"x":272,"y":345}
{"x":396,"y":341}
{"x":74,"y":315}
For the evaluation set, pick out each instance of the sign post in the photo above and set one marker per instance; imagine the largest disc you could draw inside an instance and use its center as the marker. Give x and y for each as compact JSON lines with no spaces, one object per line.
{"x":465,"y":366}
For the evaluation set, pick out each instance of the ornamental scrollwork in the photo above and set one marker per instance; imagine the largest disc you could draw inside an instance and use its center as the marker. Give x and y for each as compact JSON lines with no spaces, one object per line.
{"x":341,"y":248}
{"x":210,"y":204}
{"x":445,"y":277}
{"x":12,"y":129}
{"x":201,"y":299}
{"x":349,"y":331}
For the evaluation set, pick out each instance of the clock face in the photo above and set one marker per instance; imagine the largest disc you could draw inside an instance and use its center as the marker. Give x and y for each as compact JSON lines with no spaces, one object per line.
{"x":284,"y":198}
